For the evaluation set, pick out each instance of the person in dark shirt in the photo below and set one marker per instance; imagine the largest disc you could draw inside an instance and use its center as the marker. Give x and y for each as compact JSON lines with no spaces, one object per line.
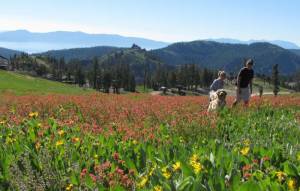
{"x":244,"y":83}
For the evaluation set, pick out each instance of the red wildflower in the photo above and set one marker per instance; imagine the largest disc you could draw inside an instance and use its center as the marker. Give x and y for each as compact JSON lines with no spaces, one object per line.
{"x":255,"y":161}
{"x":94,"y":178}
{"x":247,"y":176}
{"x":83,"y":172}
{"x":116,"y":156}
{"x":246,"y":167}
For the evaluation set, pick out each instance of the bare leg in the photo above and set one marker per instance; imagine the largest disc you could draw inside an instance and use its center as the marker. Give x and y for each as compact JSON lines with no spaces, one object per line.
{"x":237,"y":99}
{"x":235,"y":103}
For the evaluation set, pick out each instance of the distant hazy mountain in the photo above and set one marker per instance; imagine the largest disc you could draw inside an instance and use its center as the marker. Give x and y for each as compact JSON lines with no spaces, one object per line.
{"x":230,"y":56}
{"x":40,"y":42}
{"x":7,"y":53}
{"x":281,"y":43}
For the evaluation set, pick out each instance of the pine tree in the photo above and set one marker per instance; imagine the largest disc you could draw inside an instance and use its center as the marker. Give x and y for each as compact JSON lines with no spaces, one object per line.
{"x":107,"y":80}
{"x":132,"y":83}
{"x":172,"y":79}
{"x":61,"y":68}
{"x":275,"y":79}
{"x":95,"y":73}
{"x":205,"y":78}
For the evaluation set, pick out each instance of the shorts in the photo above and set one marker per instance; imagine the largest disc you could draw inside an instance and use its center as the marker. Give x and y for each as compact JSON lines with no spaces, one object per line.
{"x":244,"y":95}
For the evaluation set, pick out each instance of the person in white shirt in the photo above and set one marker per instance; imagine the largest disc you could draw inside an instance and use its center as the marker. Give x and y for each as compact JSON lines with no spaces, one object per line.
{"x":218,"y":83}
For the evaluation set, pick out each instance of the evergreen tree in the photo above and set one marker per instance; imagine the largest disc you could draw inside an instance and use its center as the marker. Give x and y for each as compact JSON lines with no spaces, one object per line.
{"x":79,"y":74}
{"x":275,"y":79}
{"x":95,"y":73}
{"x":205,"y":78}
{"x":172,"y":79}
{"x":107,"y":80}
{"x":132,"y":83}
{"x":61,"y":68}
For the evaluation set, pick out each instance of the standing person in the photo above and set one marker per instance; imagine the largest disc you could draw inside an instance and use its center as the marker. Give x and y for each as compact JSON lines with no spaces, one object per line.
{"x":218,"y":83}
{"x":244,"y":83}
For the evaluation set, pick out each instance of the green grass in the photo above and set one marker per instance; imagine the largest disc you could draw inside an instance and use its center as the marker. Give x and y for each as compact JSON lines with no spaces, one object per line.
{"x":140,"y":88}
{"x":19,"y":84}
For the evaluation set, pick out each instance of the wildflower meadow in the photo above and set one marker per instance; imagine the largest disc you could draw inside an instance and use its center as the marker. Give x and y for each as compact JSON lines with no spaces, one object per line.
{"x":144,"y":142}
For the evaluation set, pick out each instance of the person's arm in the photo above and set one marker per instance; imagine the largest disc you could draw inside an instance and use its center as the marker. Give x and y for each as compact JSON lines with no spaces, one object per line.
{"x":251,"y":82}
{"x":213,"y":86}
{"x":251,"y":85}
{"x":239,"y":81}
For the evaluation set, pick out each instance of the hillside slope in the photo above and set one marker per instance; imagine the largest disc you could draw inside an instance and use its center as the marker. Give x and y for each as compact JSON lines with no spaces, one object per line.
{"x":230,"y":56}
{"x":23,"y":84}
{"x":281,"y":43}
{"x":7,"y":53}
{"x":80,"y":53}
{"x":296,"y":51}
{"x":135,"y":58}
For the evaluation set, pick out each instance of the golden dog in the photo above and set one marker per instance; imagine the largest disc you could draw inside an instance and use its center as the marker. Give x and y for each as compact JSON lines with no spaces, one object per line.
{"x":217,"y":100}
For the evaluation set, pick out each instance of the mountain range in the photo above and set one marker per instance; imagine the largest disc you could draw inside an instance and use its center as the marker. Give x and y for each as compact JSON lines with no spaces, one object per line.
{"x":34,"y":42}
{"x":7,"y":53}
{"x":208,"y":54}
{"x":281,"y":43}
{"x":230,"y":57}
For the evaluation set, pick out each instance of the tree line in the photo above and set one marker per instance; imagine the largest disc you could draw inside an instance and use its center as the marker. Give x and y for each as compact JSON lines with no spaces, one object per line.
{"x":189,"y":76}
{"x":116,"y":73}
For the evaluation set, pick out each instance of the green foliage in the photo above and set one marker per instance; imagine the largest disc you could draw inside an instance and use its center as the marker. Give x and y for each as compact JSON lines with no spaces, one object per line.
{"x":254,"y":149}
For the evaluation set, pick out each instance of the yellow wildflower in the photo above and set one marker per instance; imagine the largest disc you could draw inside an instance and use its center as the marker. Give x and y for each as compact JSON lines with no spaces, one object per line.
{"x":37,"y":145}
{"x":96,"y":156}
{"x":166,"y":173}
{"x":143,"y":182}
{"x":75,"y":139}
{"x":69,"y":187}
{"x":292,"y":184}
{"x":157,"y":188}
{"x":194,"y":158}
{"x":61,"y":132}
{"x":2,"y":122}
{"x":39,"y":125}
{"x":197,"y":167}
{"x":280,"y":175}
{"x":33,"y":114}
{"x":195,"y":163}
{"x":134,"y":142}
{"x":245,"y":151}
{"x":247,"y":142}
{"x":9,"y":140}
{"x":181,"y":140}
{"x":298,"y":156}
{"x":176,"y":166}
{"x":151,"y":171}
{"x":60,"y":142}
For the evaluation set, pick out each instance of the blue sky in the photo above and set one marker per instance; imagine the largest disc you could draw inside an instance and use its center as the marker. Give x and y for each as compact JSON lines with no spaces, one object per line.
{"x":166,"y":20}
